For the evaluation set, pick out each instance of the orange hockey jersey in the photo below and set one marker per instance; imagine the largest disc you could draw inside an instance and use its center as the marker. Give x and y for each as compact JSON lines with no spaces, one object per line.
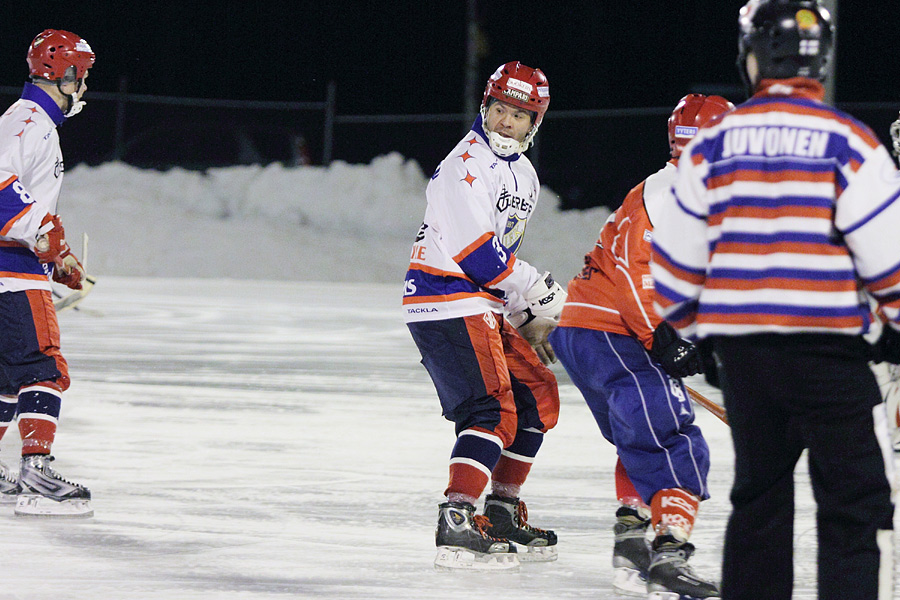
{"x":614,"y":291}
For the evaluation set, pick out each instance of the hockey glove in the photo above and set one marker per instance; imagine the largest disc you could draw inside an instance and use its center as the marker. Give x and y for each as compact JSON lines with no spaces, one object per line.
{"x":535,"y":330}
{"x":68,"y":271}
{"x":677,"y":356}
{"x":546,"y":297}
{"x":51,"y":239}
{"x":887,"y":348}
{"x":51,"y":247}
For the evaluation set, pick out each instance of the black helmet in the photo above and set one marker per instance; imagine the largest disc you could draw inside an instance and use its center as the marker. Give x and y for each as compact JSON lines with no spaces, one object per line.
{"x":789,"y":38}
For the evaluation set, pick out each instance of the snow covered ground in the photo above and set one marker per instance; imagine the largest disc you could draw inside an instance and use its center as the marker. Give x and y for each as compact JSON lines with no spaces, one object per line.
{"x":249,"y":412}
{"x":340,"y":223}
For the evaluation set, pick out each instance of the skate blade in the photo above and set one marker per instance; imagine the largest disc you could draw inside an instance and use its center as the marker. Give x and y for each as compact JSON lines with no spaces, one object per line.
{"x":676,"y":596}
{"x":34,"y":505}
{"x":537,"y":553}
{"x":451,"y":558}
{"x":8,"y":498}
{"x":629,"y":582}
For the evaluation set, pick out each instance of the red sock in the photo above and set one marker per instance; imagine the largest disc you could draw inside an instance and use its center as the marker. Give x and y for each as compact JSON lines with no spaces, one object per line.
{"x":673,"y":511}
{"x":625,"y":491}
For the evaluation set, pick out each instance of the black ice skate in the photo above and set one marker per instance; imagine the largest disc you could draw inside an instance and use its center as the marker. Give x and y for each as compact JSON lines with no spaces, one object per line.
{"x":463,"y":542}
{"x":45,"y":493}
{"x":9,"y":485}
{"x":631,"y":552}
{"x":509,"y":519}
{"x":671,"y":578}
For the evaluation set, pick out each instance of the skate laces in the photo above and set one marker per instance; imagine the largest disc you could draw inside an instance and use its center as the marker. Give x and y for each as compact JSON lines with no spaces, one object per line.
{"x":482,"y":524}
{"x":522,"y":518}
{"x":43,"y":465}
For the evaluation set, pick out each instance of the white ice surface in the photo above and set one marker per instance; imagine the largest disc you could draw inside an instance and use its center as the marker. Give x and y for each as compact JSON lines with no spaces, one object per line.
{"x":250,"y":440}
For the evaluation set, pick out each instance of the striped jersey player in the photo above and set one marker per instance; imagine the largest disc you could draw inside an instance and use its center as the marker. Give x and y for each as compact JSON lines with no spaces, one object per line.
{"x":783,"y":225}
{"x":468,"y":302}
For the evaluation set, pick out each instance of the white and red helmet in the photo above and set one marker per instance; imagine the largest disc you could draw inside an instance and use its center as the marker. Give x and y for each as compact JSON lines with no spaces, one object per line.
{"x":58,"y":55}
{"x":523,"y":87}
{"x":690,"y":114}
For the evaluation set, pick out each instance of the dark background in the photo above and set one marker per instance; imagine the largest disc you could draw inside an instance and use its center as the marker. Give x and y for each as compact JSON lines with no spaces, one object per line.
{"x":408,"y":58}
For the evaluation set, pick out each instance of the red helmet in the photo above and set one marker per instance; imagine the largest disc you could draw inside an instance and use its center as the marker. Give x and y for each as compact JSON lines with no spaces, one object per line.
{"x":520,"y":86}
{"x":59,"y":55}
{"x":691,"y":113}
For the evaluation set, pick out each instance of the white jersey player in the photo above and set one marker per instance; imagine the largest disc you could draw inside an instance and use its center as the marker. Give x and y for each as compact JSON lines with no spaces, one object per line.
{"x":33,"y":372}
{"x":468,"y":303}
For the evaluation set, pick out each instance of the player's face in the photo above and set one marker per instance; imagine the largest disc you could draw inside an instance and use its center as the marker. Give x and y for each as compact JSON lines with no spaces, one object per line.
{"x":74,"y":88}
{"x":508,"y":120}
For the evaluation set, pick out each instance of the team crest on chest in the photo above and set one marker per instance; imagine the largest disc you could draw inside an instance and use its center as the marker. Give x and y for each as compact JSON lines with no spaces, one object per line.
{"x":513,"y":232}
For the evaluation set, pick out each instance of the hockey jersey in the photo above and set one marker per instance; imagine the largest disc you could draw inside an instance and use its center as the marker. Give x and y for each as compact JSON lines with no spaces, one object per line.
{"x":31,"y":173}
{"x":783,"y":213}
{"x":463,"y":260}
{"x":614,"y":291}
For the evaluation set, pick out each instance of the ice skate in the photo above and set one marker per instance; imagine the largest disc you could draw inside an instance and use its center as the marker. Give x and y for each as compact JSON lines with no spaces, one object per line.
{"x":463,"y":542}
{"x":508,"y":519}
{"x":671,"y":578}
{"x":44,"y":493}
{"x":631,"y":552}
{"x":9,"y":485}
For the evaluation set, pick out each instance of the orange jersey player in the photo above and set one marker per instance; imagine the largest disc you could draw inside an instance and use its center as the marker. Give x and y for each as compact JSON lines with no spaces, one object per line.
{"x":628,"y":363}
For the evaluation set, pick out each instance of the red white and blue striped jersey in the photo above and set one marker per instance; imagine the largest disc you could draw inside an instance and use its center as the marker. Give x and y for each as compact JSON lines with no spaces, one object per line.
{"x":31,"y":174}
{"x":463,"y":260}
{"x":785,"y":214}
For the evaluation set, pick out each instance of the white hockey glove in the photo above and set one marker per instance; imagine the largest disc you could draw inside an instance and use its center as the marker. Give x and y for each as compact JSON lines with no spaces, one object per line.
{"x":535,"y":331}
{"x":546,"y":297}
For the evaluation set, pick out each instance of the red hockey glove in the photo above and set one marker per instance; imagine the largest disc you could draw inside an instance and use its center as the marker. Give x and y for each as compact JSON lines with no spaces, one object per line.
{"x":51,"y":239}
{"x":68,"y":271}
{"x":51,"y":246}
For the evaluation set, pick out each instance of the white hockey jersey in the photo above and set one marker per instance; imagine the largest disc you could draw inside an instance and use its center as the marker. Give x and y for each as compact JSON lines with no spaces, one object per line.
{"x":463,"y":259}
{"x":31,"y":173}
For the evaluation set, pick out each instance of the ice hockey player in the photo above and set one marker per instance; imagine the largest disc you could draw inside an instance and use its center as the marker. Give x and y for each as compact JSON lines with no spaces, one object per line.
{"x":628,"y":364}
{"x":33,"y":250}
{"x":784,"y":211}
{"x":474,"y":310}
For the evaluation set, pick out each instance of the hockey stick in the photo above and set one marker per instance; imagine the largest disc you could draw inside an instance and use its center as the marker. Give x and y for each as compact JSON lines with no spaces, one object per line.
{"x":717,"y":409}
{"x":72,"y":300}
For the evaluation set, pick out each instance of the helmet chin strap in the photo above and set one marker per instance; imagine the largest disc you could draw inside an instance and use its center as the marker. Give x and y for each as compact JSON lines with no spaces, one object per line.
{"x":75,"y":106}
{"x":74,"y":103}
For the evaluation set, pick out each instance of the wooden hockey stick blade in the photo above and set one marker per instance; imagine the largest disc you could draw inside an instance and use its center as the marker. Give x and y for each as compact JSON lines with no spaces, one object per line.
{"x":717,"y":409}
{"x":75,"y":298}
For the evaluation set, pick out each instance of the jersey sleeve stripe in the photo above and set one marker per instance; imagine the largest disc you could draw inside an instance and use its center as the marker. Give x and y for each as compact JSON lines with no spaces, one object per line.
{"x":9,"y":222}
{"x":473,"y":247}
{"x":693,"y":275}
{"x":872,"y":214}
